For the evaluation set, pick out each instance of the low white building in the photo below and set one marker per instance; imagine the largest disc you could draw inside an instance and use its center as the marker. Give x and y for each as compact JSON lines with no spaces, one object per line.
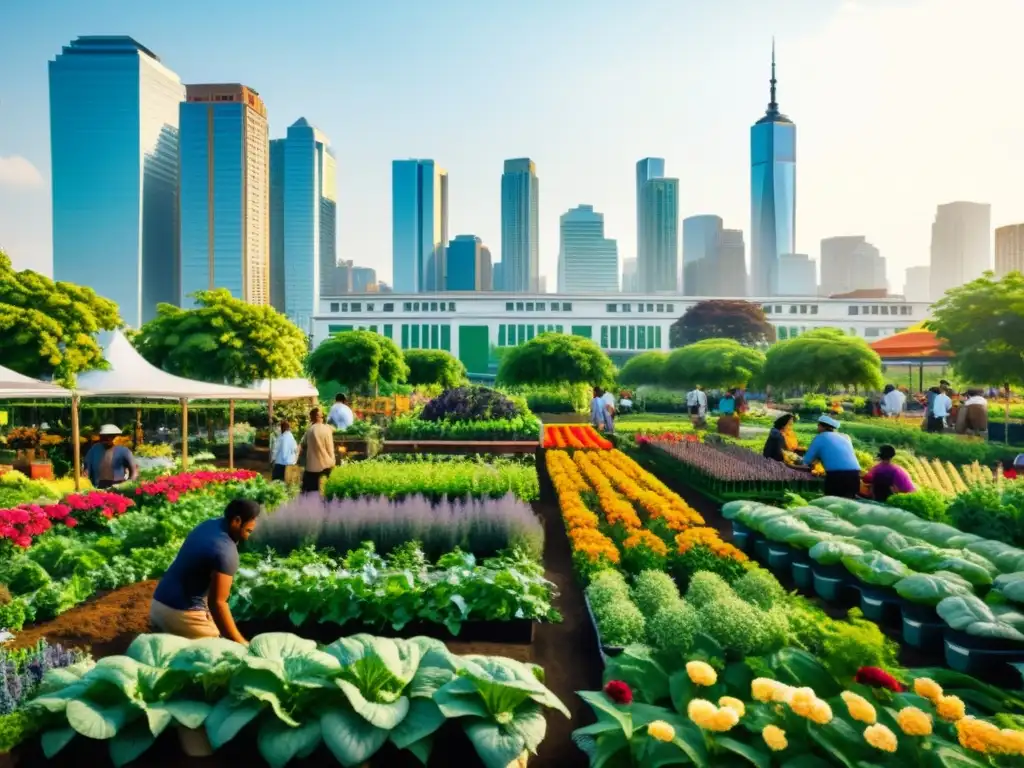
{"x":473,"y":326}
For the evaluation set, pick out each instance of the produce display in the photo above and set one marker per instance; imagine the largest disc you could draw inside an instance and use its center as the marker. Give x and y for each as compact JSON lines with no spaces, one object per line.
{"x":468,"y":413}
{"x":355,"y":697}
{"x":728,"y":471}
{"x":578,"y":436}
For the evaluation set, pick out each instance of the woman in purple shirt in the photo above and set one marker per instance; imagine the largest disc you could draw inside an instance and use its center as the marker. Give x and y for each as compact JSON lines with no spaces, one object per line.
{"x":887,"y":478}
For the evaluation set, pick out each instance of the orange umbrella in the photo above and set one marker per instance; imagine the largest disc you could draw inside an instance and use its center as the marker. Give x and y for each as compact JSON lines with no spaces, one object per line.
{"x":916,"y":342}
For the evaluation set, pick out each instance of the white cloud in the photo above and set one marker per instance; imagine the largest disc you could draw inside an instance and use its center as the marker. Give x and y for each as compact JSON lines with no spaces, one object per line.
{"x":16,"y":171}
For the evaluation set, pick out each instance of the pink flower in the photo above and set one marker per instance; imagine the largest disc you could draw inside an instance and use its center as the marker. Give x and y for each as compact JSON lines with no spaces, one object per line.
{"x":71,"y":522}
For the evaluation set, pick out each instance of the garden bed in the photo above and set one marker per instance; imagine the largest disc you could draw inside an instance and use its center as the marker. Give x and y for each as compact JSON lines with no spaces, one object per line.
{"x":483,"y":447}
{"x":515,"y":632}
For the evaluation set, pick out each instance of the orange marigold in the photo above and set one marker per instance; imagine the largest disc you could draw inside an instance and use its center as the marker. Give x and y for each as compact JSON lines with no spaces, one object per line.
{"x":646,"y":539}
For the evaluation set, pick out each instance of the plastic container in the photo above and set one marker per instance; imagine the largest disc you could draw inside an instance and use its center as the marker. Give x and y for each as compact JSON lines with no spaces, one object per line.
{"x":983,"y":663}
{"x":803,"y":576}
{"x":742,"y":537}
{"x":922,"y":627}
{"x":881,"y":605}
{"x":761,"y":545}
{"x":780,"y":557}
{"x":833,"y":584}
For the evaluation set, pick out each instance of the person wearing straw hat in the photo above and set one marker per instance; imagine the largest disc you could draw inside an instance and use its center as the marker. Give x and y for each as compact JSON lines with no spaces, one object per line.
{"x":835,"y":452}
{"x":108,"y":464}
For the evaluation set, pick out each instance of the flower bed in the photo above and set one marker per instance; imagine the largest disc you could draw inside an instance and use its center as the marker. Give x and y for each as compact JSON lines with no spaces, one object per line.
{"x":171,"y":487}
{"x":22,"y":525}
{"x":578,"y":436}
{"x":728,"y":471}
{"x":21,"y":672}
{"x":353,"y":697}
{"x":466,"y":414}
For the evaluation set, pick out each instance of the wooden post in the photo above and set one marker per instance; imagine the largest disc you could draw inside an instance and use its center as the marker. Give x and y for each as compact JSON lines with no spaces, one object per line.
{"x":184,"y":434}
{"x":270,"y":403}
{"x":76,"y":447}
{"x":138,"y":428}
{"x":231,"y":434}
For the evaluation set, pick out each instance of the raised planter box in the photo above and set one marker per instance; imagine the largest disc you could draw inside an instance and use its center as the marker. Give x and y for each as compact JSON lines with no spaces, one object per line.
{"x":881,"y":605}
{"x":563,"y":418}
{"x":834,"y":584}
{"x":516,"y":631}
{"x":367,"y":448}
{"x":983,"y":659}
{"x":922,"y":627}
{"x":743,"y":537}
{"x":462,"y":446}
{"x":606,"y":651}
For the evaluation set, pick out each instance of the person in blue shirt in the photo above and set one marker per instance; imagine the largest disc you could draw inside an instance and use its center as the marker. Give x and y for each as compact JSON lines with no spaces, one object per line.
{"x":286,"y":452}
{"x":107,"y":464}
{"x":191,"y":599}
{"x":835,"y":452}
{"x":727,"y":403}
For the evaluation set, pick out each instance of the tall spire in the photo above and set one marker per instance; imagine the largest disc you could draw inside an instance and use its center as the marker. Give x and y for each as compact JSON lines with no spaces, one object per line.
{"x":773,"y":105}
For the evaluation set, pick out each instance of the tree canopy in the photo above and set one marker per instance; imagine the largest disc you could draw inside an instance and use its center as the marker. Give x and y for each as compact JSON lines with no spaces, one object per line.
{"x":223,"y":340}
{"x":823,"y":359}
{"x":743,"y":321}
{"x":982,"y":323}
{"x":715,"y":363}
{"x":49,"y":328}
{"x":647,"y":368}
{"x":556,"y":358}
{"x":358,"y":360}
{"x":434,"y":366}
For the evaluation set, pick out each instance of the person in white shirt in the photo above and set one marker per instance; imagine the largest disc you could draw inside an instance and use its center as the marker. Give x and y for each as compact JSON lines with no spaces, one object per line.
{"x":341,"y":415}
{"x":893,"y":402}
{"x":625,"y":403}
{"x":285,"y":452}
{"x":609,"y":406}
{"x":697,"y":404}
{"x":941,"y":406}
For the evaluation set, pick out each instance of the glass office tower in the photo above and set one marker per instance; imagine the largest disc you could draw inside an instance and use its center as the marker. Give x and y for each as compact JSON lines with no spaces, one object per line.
{"x":772,"y":195}
{"x":520,"y":226}
{"x":588,"y":262}
{"x":419,"y":225}
{"x":658,"y":262}
{"x":303,"y":216}
{"x":114,"y":152}
{"x":225,"y":195}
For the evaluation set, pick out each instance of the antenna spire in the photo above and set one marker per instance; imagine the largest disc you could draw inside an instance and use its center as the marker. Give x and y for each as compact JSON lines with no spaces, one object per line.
{"x":773,"y":106}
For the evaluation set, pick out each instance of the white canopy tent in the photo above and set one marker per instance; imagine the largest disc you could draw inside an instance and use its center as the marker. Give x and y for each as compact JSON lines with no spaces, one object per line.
{"x":286,"y":389}
{"x":131,"y":375}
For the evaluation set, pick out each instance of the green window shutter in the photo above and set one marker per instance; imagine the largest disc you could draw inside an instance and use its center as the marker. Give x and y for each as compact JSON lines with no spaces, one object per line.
{"x":415,"y":337}
{"x":405,"y":336}
{"x":783,"y":332}
{"x":632,"y":337}
{"x":615,"y":337}
{"x":657,"y":335}
{"x":446,"y":338}
{"x":501,"y":335}
{"x":641,"y":337}
{"x":333,"y":329}
{"x":559,"y":328}
{"x":522,"y":334}
{"x":424,"y":336}
{"x":435,"y":337}
{"x":530,"y":332}
{"x":373,"y":328}
{"x":604,"y":337}
{"x":389,"y":330}
{"x":474,"y":348}
{"x":622,"y":337}
{"x":586,"y":331}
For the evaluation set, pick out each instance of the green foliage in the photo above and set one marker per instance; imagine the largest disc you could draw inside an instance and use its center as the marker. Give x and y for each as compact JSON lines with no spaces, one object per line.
{"x":823,"y":359}
{"x":706,"y":587}
{"x":433,"y":366}
{"x":50,"y":328}
{"x":759,"y":587}
{"x":358,"y":360}
{"x":674,"y":626}
{"x":645,"y":369}
{"x":555,"y":398}
{"x":714,"y":363}
{"x":619,"y":621}
{"x":982,"y":322}
{"x":223,"y":340}
{"x":842,"y":646}
{"x":556,"y":358}
{"x":742,"y":321}
{"x":926,"y":503}
{"x":653,"y":590}
{"x":991,"y":512}
{"x":409,"y":427}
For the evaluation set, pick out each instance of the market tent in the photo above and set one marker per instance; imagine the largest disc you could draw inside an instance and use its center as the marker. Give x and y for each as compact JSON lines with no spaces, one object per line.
{"x":130,"y":375}
{"x":286,"y":389}
{"x":915,"y":346}
{"x":15,"y":385}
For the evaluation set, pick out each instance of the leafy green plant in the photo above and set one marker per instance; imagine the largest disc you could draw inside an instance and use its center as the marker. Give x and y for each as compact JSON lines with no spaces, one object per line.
{"x":674,"y":626}
{"x":619,"y":621}
{"x":652,"y":590}
{"x":407,"y":427}
{"x":926,"y":503}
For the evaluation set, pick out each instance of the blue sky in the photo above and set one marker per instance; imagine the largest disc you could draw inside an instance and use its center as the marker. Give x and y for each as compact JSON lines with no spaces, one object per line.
{"x":900,"y":104}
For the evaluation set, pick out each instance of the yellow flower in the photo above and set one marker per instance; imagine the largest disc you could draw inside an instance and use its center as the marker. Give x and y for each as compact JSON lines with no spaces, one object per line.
{"x":775,"y":738}
{"x":859,"y":707}
{"x":803,"y":701}
{"x":976,"y":734}
{"x":701,"y":673}
{"x":821,"y":712}
{"x":763,"y":689}
{"x":734,"y":704}
{"x":925,"y":686}
{"x":701,"y":711}
{"x":950,"y":708}
{"x":913,"y":722}
{"x":880,"y":737}
{"x":659,"y":730}
{"x":724,"y":719}
{"x":1012,"y":741}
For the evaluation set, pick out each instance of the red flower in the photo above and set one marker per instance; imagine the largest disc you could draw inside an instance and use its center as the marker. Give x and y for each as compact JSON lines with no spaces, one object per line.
{"x":619,"y":692}
{"x":878,"y":678}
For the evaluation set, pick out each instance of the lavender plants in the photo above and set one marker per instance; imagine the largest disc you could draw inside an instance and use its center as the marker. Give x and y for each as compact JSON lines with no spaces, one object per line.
{"x":481,"y":526}
{"x":21,"y":671}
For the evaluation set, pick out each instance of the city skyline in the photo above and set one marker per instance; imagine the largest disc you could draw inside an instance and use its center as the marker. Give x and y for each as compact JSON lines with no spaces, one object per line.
{"x":850,"y":180}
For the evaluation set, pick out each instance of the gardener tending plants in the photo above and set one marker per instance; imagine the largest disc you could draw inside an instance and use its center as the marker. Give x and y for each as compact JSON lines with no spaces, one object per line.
{"x":192,"y":598}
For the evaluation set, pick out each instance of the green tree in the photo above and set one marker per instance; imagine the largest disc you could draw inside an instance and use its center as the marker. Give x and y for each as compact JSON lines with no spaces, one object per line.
{"x":223,"y":340}
{"x":715,"y":363}
{"x":647,"y":368}
{"x":982,"y":323}
{"x":358,"y":360}
{"x":434,"y":366}
{"x":736,"y":319}
{"x":49,"y":328}
{"x":556,"y":358}
{"x":821,"y":360}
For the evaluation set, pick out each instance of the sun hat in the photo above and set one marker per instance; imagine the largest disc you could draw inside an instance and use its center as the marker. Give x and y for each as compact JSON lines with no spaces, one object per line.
{"x":826,"y":419}
{"x":1018,"y":460}
{"x":110,"y":429}
{"x":886,"y":452}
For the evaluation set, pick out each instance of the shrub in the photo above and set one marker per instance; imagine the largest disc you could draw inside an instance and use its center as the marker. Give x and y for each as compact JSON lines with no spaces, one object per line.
{"x":654,"y":590}
{"x":674,"y":626}
{"x":707,"y":587}
{"x":742,"y":629}
{"x":22,"y":575}
{"x":470,"y":404}
{"x":620,"y":623}
{"x":433,"y":366}
{"x":760,"y":588}
{"x":605,"y":587}
{"x":926,"y":503}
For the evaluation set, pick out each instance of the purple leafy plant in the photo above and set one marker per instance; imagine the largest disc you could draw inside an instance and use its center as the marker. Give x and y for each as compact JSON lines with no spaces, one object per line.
{"x":22,"y":671}
{"x":480,"y":526}
{"x":470,"y":404}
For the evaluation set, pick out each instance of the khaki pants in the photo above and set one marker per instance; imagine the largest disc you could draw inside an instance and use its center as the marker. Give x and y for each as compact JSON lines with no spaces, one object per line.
{"x":189,"y":624}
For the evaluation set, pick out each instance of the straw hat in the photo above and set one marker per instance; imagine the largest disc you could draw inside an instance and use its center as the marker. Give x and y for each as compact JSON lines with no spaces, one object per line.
{"x":110,"y":429}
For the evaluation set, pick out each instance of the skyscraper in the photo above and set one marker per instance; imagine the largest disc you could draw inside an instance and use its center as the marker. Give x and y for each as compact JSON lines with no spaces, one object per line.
{"x":917,"y":284}
{"x":114,"y":152}
{"x":630,"y":279}
{"x":658,"y":262}
{"x":303,"y":220}
{"x":419,"y":225}
{"x":850,"y":263}
{"x":961,"y":245}
{"x":732,"y":264}
{"x":798,"y":275}
{"x":520,"y":228}
{"x":588,"y":262}
{"x":772,"y":194}
{"x":498,"y":276}
{"x":466,"y":268}
{"x":225,"y":192}
{"x":363,"y":278}
{"x":486,"y":269}
{"x":1009,"y":249}
{"x":702,"y":239}
{"x":646,"y":169}
{"x":338,"y":279}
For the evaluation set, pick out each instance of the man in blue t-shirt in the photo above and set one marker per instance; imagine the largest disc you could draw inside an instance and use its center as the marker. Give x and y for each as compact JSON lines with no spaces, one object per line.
{"x":107,"y":464}
{"x":836,"y":454}
{"x":191,"y":599}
